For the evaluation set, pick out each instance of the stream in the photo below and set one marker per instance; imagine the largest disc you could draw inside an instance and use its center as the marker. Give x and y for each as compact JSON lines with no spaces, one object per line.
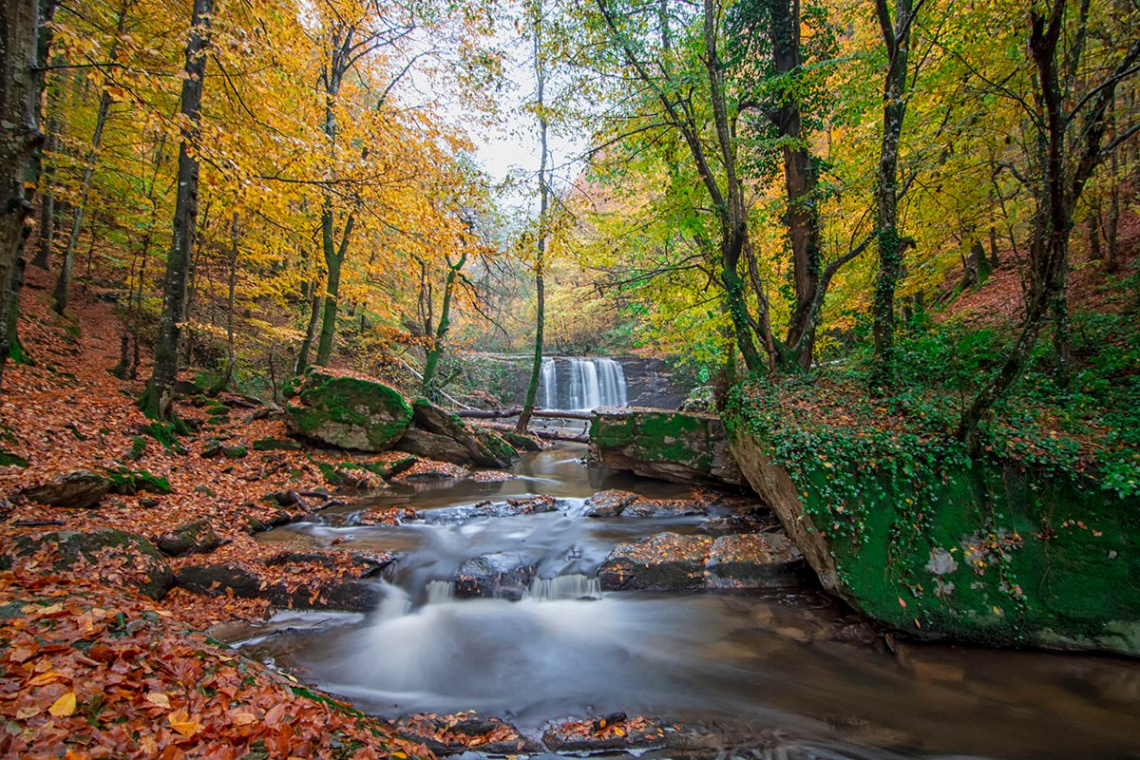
{"x":760,"y":669}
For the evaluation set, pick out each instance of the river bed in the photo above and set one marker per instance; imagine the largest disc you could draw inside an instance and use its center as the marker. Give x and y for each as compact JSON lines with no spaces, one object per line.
{"x":760,"y":669}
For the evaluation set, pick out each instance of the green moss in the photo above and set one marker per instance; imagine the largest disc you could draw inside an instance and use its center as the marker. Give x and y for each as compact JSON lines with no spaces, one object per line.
{"x":658,"y":436}
{"x":350,"y":412}
{"x":276,"y":444}
{"x":12,"y":460}
{"x":125,"y":481}
{"x":935,"y":543}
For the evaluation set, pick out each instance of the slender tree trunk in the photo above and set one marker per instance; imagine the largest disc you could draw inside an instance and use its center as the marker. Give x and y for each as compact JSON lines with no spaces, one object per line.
{"x":158,"y":398}
{"x":334,"y":259}
{"x":436,"y":350}
{"x":302,"y":362}
{"x":890,"y":248}
{"x":63,"y":284}
{"x":540,"y":245}
{"x":232,"y":287}
{"x":47,"y":204}
{"x":19,"y":139}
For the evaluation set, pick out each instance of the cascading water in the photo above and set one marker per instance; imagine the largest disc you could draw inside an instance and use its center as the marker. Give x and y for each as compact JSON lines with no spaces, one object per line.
{"x":586,"y":384}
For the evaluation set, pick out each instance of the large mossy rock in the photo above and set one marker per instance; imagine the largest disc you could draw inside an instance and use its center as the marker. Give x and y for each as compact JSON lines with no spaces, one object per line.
{"x":675,"y":446}
{"x":79,"y":489}
{"x":982,"y":553}
{"x":348,"y":411}
{"x":118,"y":558}
{"x":439,"y":434}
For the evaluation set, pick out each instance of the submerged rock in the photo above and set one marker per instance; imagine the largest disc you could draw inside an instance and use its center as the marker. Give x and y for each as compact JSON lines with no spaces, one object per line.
{"x":502,"y":575}
{"x":349,"y":411}
{"x":665,"y":562}
{"x":78,"y":489}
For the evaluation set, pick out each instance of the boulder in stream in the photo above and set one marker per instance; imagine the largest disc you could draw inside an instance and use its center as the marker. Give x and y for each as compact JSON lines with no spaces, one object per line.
{"x":665,"y":562}
{"x":349,"y":411}
{"x":502,"y":575}
{"x":756,"y":560}
{"x":667,"y":445}
{"x":439,"y":434}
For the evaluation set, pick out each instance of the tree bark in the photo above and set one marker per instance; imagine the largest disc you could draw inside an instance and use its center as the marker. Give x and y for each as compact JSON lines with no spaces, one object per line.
{"x":436,"y":350}
{"x":19,"y":139}
{"x":540,"y":245}
{"x":63,"y":284}
{"x":890,"y":247}
{"x":302,"y":362}
{"x":158,"y":398}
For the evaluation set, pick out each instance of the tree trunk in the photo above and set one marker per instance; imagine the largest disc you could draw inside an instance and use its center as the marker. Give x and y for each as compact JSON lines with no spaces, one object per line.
{"x":19,"y":138}
{"x":63,"y":284}
{"x":890,"y":248}
{"x":47,"y":205}
{"x":302,"y":362}
{"x":159,"y":395}
{"x":540,"y":246}
{"x":436,"y":350}
{"x":800,"y":182}
{"x":334,"y":258}
{"x":232,"y":287}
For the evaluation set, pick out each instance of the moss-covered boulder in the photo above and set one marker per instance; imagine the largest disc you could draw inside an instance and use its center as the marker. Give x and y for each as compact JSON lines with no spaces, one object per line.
{"x":348,"y":411}
{"x":79,"y":489}
{"x":196,"y":537}
{"x":114,"y":556}
{"x":938,"y":545}
{"x":675,"y":446}
{"x":439,"y":434}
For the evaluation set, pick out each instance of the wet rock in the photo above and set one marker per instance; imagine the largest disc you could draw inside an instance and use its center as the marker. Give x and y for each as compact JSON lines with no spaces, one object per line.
{"x":755,"y":560}
{"x":116,"y":557}
{"x":78,"y":489}
{"x":351,"y":475}
{"x":346,"y":594}
{"x":523,"y":442}
{"x":613,"y":732}
{"x":609,"y":503}
{"x":665,"y":562}
{"x":367,"y":564}
{"x":752,"y":520}
{"x":197,"y":537}
{"x":857,"y":632}
{"x":450,"y":734}
{"x":503,"y":575}
{"x":510,"y":508}
{"x":349,"y":411}
{"x":660,"y":508}
{"x":262,"y":523}
{"x":674,"y":446}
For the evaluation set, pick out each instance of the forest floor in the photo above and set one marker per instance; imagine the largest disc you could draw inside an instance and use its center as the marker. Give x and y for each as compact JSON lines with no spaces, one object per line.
{"x":90,"y":668}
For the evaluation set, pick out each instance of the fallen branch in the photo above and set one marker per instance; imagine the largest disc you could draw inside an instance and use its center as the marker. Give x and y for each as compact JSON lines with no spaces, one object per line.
{"x":492,"y":414}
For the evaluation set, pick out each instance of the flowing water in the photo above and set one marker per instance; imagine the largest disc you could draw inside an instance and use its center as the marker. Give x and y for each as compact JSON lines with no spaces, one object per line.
{"x":747,"y":664}
{"x":582,"y":384}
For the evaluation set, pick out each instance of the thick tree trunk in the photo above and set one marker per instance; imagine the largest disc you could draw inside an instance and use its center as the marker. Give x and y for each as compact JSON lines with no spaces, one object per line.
{"x":800,"y":182}
{"x":159,"y":395}
{"x":890,"y":247}
{"x":540,"y":246}
{"x":47,"y":206}
{"x":19,"y":138}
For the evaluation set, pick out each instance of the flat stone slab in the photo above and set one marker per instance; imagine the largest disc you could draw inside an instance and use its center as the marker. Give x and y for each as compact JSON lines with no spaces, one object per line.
{"x":665,"y":562}
{"x":754,"y":560}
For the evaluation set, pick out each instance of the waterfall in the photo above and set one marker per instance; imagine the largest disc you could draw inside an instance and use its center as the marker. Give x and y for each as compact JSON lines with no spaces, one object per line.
{"x":565,"y":587}
{"x":549,"y":382}
{"x":586,"y":383}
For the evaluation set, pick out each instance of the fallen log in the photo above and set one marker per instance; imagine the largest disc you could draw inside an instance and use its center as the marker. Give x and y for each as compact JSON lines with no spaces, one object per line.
{"x":546,"y":435}
{"x":492,"y":414}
